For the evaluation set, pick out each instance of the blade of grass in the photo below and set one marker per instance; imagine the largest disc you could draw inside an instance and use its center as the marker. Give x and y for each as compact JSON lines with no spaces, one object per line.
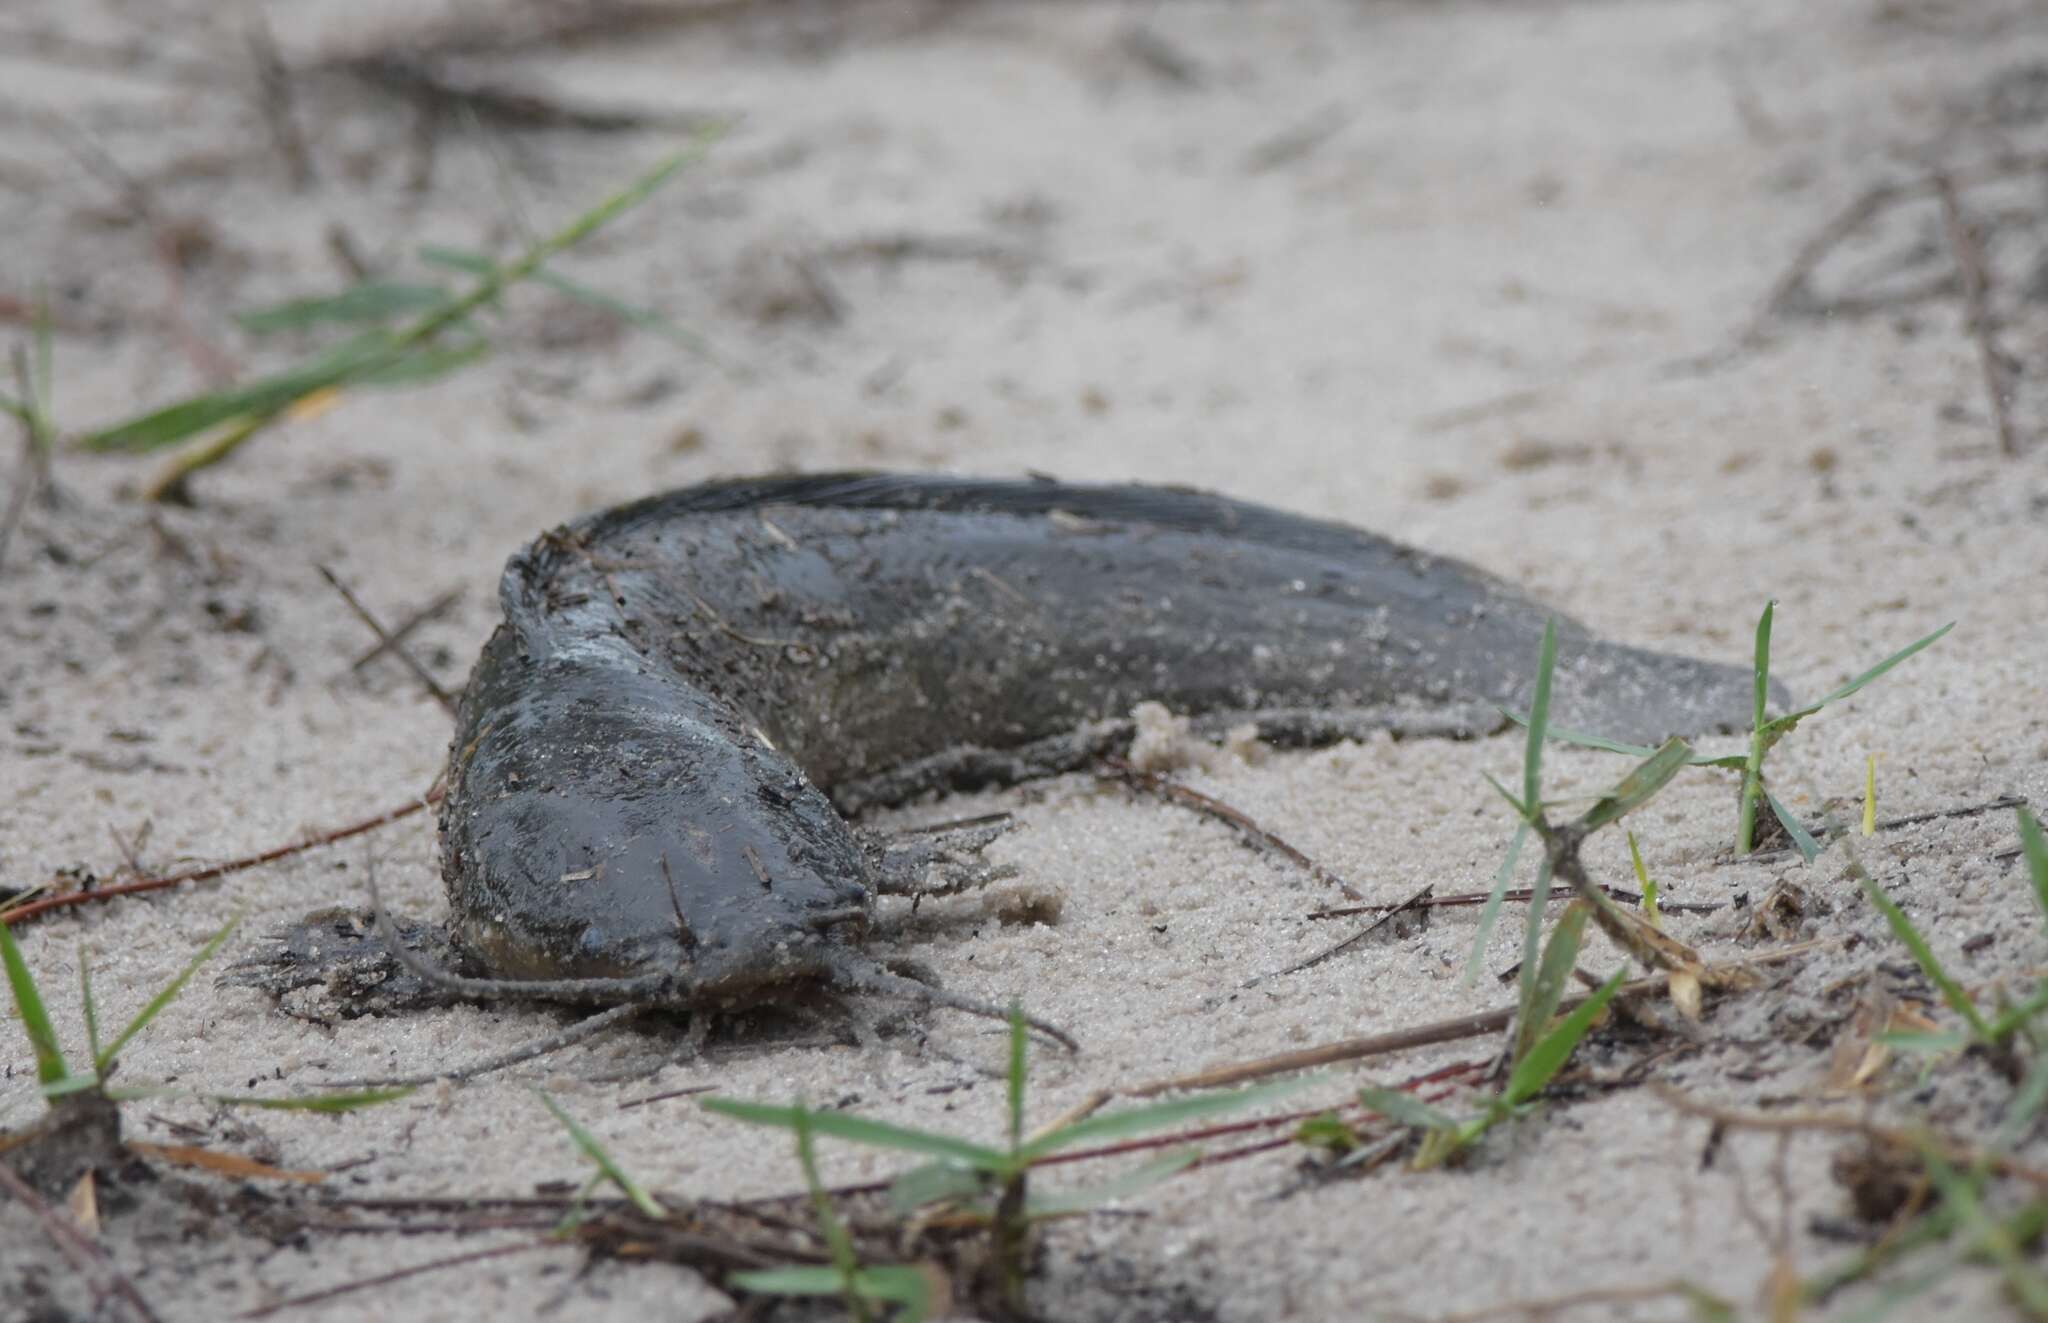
{"x":897,"y":1284}
{"x":1491,"y":910}
{"x":1753,"y":764}
{"x":2026,"y":1105}
{"x":1135,"y":1181}
{"x":844,"y":1260}
{"x":164,"y":997}
{"x":1405,"y":1109}
{"x":1959,"y":1193}
{"x":379,"y":351}
{"x":2035,"y":847}
{"x":1585,"y":740}
{"x":1157,"y":1116}
{"x":1015,"y":1081}
{"x":1923,"y":955}
{"x":935,"y":1182}
{"x":1543,"y":1061}
{"x":1802,"y":840}
{"x":1542,"y":991}
{"x":1791,"y":719}
{"x":1539,"y":718}
{"x":51,"y":1067}
{"x":1532,"y":950}
{"x":371,"y":301}
{"x":1640,"y":785}
{"x":860,"y":1130}
{"x":87,"y":1007}
{"x":1643,"y":882}
{"x":645,"y":319}
{"x":423,"y":365}
{"x":595,"y":1151}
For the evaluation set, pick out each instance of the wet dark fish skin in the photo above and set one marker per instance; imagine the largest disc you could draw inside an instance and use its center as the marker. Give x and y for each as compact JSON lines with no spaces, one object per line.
{"x":647,"y":756}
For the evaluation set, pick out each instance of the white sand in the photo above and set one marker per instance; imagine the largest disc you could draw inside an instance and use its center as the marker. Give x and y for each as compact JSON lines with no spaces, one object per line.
{"x":1491,"y":300}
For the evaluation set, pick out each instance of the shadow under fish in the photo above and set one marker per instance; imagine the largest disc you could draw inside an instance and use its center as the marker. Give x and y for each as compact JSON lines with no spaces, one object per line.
{"x":654,"y":757}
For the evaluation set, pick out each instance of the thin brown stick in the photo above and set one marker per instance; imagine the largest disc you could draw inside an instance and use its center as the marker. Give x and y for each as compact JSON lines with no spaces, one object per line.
{"x":588,"y":1027}
{"x":1167,"y":788}
{"x":1790,"y":295}
{"x":406,"y":627}
{"x":21,"y":913}
{"x":384,"y":636}
{"x":1415,"y":901}
{"x":1976,"y":279}
{"x":1549,"y":1306}
{"x":400,"y":1274}
{"x":82,"y":1250}
{"x":274,"y":87}
{"x":1403,"y":1040}
{"x":1621,"y":894}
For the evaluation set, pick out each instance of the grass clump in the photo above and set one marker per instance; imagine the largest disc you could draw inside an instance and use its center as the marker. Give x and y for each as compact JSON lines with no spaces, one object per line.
{"x":985,"y":1186}
{"x":58,"y":1079}
{"x":1542,"y":1041}
{"x":1765,"y":732}
{"x":439,"y":337}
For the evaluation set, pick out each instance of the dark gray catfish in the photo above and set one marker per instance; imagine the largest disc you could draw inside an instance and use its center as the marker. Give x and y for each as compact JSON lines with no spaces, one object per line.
{"x":646,"y":761}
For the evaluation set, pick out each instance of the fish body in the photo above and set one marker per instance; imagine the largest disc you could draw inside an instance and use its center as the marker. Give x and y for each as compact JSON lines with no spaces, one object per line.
{"x":655,"y":752}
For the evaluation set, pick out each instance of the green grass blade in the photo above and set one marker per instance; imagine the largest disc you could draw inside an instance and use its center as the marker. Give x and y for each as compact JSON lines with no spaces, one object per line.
{"x":934,"y":1183}
{"x":326,"y":1103}
{"x":1991,"y":1236}
{"x":188,"y":418}
{"x":899,"y":1285}
{"x":1926,"y":1044}
{"x":371,"y":301}
{"x":2035,"y":847}
{"x":57,"y":1088}
{"x":1643,"y":881}
{"x":1543,"y":1061}
{"x":645,"y":319}
{"x":379,"y":351}
{"x":425,"y":364}
{"x":1640,"y":786}
{"x":2014,"y":1017}
{"x":165,"y":997}
{"x":1878,"y":670}
{"x":2025,"y":1106}
{"x":1802,"y":840}
{"x":1539,"y":718}
{"x":1532,"y":941}
{"x":1762,"y":669}
{"x":1491,"y":910}
{"x":1406,"y":1109}
{"x":860,"y":1130}
{"x":595,"y":1151}
{"x":1157,"y":1116}
{"x":1923,"y":955}
{"x":1585,"y":740}
{"x":87,"y":1007}
{"x":1015,"y":1078}
{"x":1523,"y":811}
{"x":1543,"y":989}
{"x":465,"y":260}
{"x":844,"y":1261}
{"x":1135,"y":1181}
{"x":818,"y":1280}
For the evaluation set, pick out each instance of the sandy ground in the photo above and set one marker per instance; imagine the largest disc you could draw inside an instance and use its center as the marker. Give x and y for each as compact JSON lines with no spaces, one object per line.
{"x":1507,"y":281}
